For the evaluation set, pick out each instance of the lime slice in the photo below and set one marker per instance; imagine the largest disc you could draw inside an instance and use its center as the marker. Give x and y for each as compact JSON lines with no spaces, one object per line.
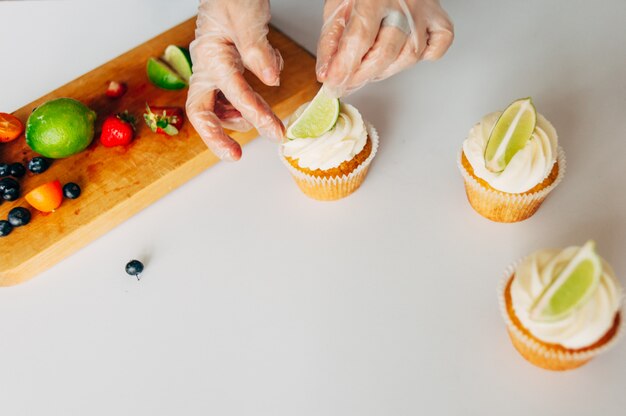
{"x":510,"y":134}
{"x":179,"y":59}
{"x":571,"y":288}
{"x":163,"y":76}
{"x":319,"y":117}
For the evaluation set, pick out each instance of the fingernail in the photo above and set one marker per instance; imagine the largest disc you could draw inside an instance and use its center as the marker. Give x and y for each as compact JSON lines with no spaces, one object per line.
{"x":270,"y":77}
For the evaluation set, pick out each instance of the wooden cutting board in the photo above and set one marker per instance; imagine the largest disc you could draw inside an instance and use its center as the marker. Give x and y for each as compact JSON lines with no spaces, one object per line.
{"x":119,"y":182}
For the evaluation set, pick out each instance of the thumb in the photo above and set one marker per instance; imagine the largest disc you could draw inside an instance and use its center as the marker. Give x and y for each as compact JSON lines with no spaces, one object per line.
{"x":263,"y":60}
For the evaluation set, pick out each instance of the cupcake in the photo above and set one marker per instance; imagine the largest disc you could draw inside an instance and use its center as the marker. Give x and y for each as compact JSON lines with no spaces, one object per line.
{"x":561,"y":307}
{"x":334,"y":164}
{"x":531,"y":164}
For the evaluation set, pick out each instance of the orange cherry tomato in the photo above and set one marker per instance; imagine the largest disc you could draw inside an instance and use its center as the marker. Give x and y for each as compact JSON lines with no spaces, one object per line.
{"x":47,"y":197}
{"x":10,"y":127}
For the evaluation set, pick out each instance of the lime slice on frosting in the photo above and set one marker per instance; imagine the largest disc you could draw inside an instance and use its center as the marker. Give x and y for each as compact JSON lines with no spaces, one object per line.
{"x":510,"y":134}
{"x":180,"y":61}
{"x":572,"y":287}
{"x":318,"y":118}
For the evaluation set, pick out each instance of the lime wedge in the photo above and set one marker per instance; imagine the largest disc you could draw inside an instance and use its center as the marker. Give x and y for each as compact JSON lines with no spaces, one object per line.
{"x":179,"y":59}
{"x":163,"y":76}
{"x":319,"y":117}
{"x":510,"y":134}
{"x":571,"y":288}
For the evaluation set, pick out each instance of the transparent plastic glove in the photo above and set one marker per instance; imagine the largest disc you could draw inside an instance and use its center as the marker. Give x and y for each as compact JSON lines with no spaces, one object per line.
{"x":232,"y":35}
{"x":370,"y":40}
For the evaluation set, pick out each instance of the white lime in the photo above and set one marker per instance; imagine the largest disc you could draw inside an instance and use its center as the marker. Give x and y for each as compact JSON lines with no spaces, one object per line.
{"x":318,"y":118}
{"x":510,"y":134}
{"x":179,"y":59}
{"x":572,"y":287}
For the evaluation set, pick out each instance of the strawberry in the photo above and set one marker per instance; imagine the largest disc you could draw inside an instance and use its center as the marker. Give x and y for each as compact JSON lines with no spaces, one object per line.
{"x":116,"y":89}
{"x":117,"y":130}
{"x":164,"y":120}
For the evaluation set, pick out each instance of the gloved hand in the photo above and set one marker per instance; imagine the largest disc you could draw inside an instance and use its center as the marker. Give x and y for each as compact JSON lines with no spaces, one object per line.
{"x":231,"y":36}
{"x":370,"y":40}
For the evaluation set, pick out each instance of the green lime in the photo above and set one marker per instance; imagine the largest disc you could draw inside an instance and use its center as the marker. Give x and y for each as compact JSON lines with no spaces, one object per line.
{"x":180,"y":60}
{"x":572,"y":287}
{"x":510,"y":134}
{"x":60,"y":128}
{"x":163,"y":76}
{"x":319,"y":117}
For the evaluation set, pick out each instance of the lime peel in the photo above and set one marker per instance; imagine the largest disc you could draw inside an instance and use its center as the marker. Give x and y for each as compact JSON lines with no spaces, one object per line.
{"x":319,"y":117}
{"x":510,"y":134}
{"x":572,"y":287}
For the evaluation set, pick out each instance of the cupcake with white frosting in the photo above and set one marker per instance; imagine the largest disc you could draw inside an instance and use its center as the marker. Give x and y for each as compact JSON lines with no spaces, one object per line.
{"x":582,"y":297}
{"x":515,"y":192}
{"x":333,"y":165}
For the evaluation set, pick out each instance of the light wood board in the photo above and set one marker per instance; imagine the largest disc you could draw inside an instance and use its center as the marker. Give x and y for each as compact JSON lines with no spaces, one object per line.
{"x":119,"y":182}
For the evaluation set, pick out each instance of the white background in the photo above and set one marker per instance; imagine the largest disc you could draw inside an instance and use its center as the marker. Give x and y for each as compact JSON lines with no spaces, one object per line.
{"x":258,"y":301}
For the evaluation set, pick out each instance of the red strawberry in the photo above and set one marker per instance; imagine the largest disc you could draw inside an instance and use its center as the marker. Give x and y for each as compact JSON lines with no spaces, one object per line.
{"x":116,"y":89}
{"x":164,"y":120}
{"x":117,"y":130}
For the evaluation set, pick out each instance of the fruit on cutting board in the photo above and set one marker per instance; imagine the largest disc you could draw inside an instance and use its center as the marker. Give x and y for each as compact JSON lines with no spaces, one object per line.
{"x":10,"y":127}
{"x":38,"y":165}
{"x":9,"y":189}
{"x":118,"y":130}
{"x":47,"y":197}
{"x":116,"y":89}
{"x":19,"y":216}
{"x":5,"y":228}
{"x":60,"y":128}
{"x":164,"y":120}
{"x":171,"y":71}
{"x":17,"y":170}
{"x":71,"y":190}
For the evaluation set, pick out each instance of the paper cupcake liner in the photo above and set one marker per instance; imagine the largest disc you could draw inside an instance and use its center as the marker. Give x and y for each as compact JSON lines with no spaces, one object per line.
{"x":504,"y":207}
{"x":337,"y":187}
{"x":550,"y":356}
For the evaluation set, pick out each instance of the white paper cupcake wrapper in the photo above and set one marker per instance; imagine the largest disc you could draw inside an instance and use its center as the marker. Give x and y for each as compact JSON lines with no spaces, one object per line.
{"x":503,"y":197}
{"x":539,"y":348}
{"x":338,"y":186}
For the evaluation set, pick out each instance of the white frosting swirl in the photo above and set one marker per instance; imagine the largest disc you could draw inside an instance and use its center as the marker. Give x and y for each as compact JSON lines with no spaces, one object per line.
{"x":343,"y":142}
{"x":585,"y":325}
{"x":528,"y":168}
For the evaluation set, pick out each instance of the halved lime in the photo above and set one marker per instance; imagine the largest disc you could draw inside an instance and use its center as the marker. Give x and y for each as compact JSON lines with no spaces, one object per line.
{"x":572,"y":287}
{"x":164,"y":76}
{"x":179,"y":59}
{"x":510,"y":134}
{"x":319,"y":117}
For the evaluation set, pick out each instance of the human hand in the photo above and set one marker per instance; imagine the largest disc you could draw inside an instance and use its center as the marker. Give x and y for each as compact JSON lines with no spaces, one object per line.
{"x":232,"y":35}
{"x":370,"y":40}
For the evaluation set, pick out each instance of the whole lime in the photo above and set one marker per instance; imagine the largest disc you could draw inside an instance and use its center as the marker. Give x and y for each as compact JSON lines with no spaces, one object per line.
{"x":60,"y":128}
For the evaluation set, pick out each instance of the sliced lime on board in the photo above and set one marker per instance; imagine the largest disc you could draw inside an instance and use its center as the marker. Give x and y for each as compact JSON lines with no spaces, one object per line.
{"x":572,"y":287}
{"x":318,"y":118}
{"x":163,"y":76}
{"x":510,"y":134}
{"x":172,"y":71}
{"x":179,"y":59}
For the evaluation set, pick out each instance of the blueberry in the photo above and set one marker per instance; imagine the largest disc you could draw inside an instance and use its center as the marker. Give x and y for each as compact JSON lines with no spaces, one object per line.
{"x":134,"y":268}
{"x":7,"y":183}
{"x":17,"y":170}
{"x":4,"y":169}
{"x":71,"y":190}
{"x":19,"y":216}
{"x":38,"y":165}
{"x":9,"y":189}
{"x":5,"y":228}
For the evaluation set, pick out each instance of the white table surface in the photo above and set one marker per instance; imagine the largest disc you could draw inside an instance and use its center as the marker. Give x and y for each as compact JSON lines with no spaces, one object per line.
{"x":259,"y":301}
